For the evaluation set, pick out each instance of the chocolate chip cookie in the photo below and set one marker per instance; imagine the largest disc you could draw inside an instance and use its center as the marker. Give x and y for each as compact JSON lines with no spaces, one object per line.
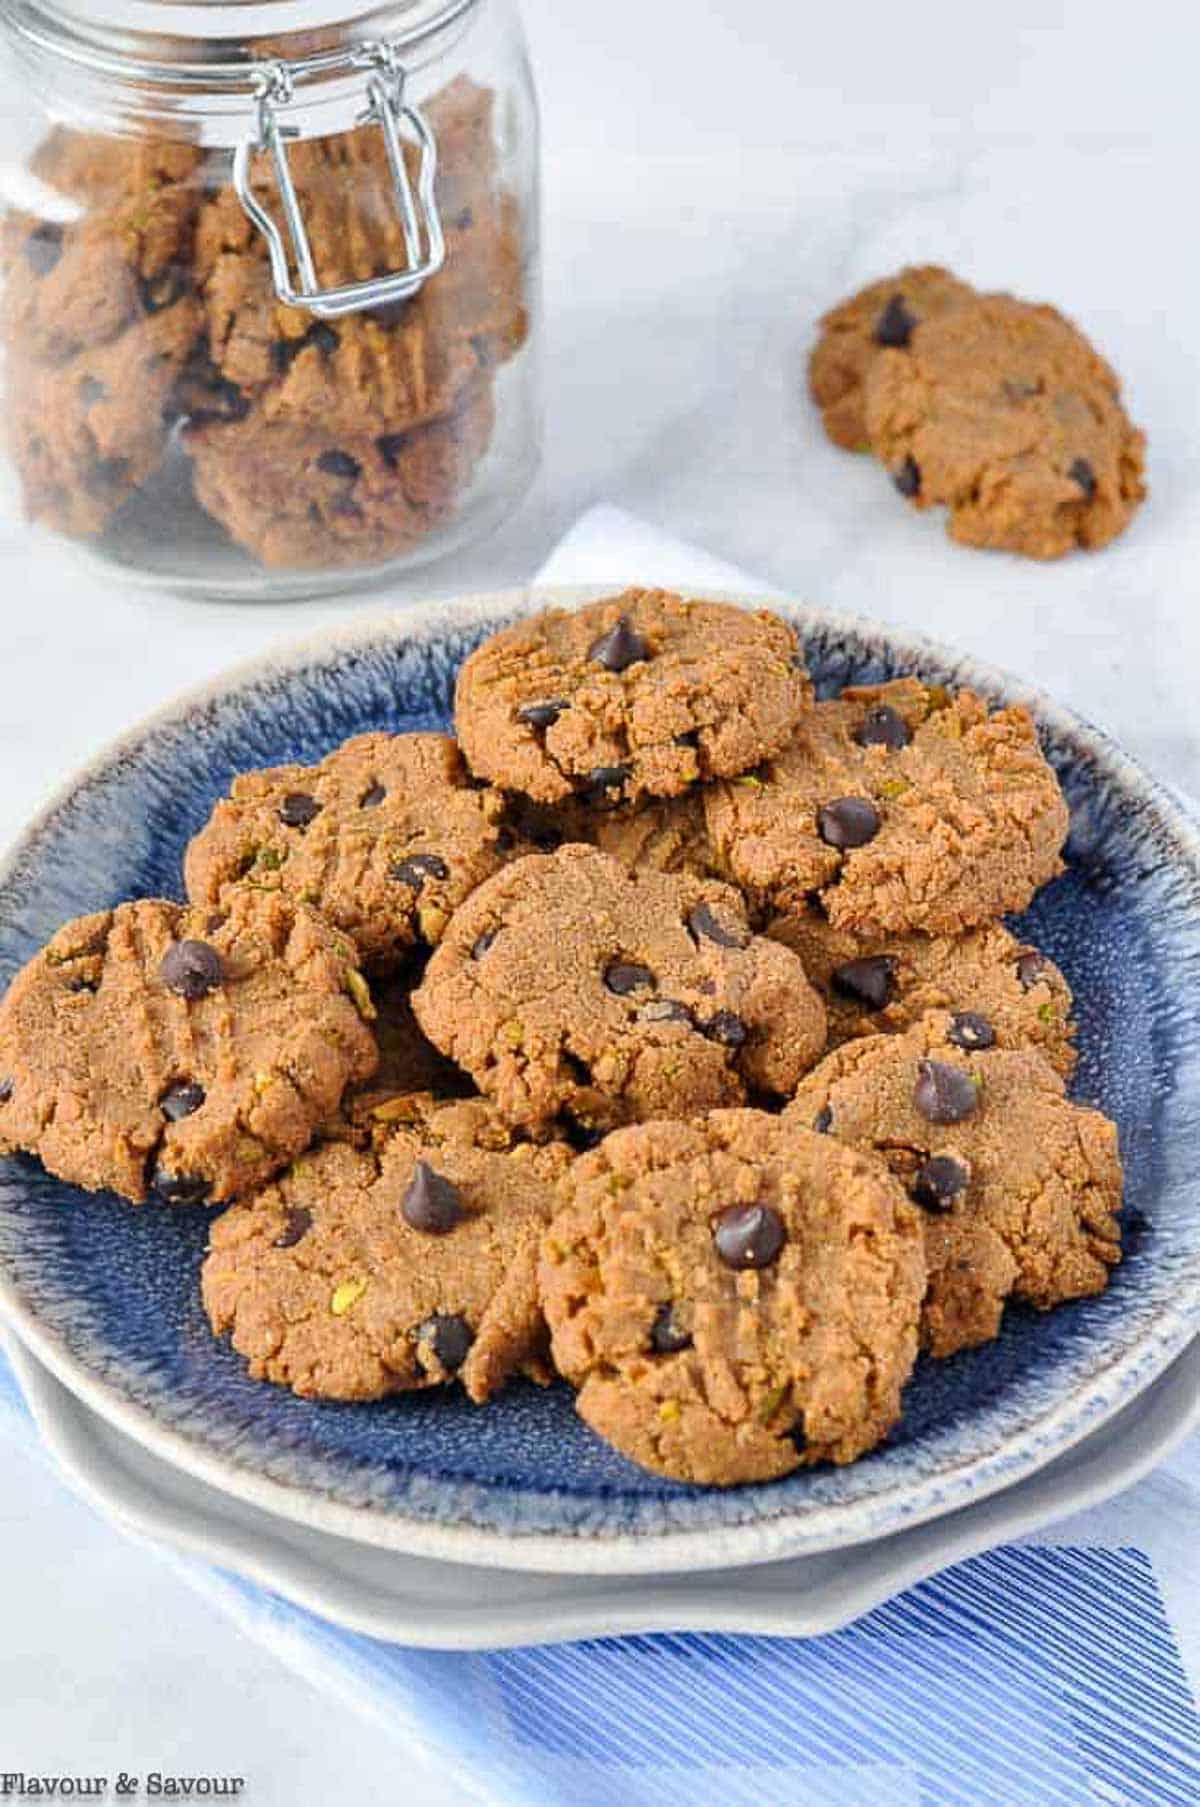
{"x":568,"y":986}
{"x":183,"y":1053}
{"x":853,"y":334}
{"x":899,"y":807}
{"x":733,"y":1298}
{"x":386,"y":836}
{"x":1020,"y":1188}
{"x":366,"y":1272}
{"x":99,"y":321}
{"x":645,"y":693}
{"x":1002,"y":412}
{"x":1002,"y":992}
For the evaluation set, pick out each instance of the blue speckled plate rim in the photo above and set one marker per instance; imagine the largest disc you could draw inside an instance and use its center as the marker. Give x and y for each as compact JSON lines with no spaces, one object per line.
{"x":1112,"y":1383}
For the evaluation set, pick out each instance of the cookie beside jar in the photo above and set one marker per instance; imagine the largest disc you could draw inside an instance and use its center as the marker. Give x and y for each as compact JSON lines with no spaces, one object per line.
{"x":269,"y":314}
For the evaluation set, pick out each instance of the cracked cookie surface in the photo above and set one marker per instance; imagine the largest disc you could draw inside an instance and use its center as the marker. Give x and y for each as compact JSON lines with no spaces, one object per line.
{"x":642,"y":694}
{"x":567,"y":985}
{"x":1020,"y":1187}
{"x":1002,"y":412}
{"x":852,"y":335}
{"x":1008,"y":994}
{"x":900,"y":807}
{"x":161,"y":1049}
{"x":366,"y":1272}
{"x":733,"y":1298}
{"x":386,"y":837}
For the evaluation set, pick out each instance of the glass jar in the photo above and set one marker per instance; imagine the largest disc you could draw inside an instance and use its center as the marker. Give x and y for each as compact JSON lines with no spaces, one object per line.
{"x":269,"y":316}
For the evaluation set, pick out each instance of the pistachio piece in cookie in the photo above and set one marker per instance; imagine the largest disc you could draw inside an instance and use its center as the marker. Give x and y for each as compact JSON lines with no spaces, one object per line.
{"x":1020,"y":1188}
{"x":410,"y":1263}
{"x":181,"y":1053}
{"x":1001,"y":992}
{"x":567,"y":985}
{"x":733,"y":1298}
{"x":898,"y":807}
{"x":386,"y":836}
{"x":641,"y":695}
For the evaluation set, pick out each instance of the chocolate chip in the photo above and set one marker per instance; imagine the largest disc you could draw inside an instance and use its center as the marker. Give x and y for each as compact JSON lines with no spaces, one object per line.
{"x":939,"y":1182}
{"x":665,"y":1010}
{"x":339,"y":464}
{"x":6,"y":1090}
{"x":620,"y":648}
{"x":323,"y":337}
{"x":727,"y":1029}
{"x":971,"y":1031}
{"x":541,"y":715}
{"x":373,"y":798}
{"x":869,"y":981}
{"x":390,"y":447}
{"x":449,"y":1339}
{"x":165,"y":288}
{"x":219,"y":402}
{"x":579,"y":1070}
{"x":296,"y":1226}
{"x":389,"y":315}
{"x":908,"y":478}
{"x":623,"y":976}
{"x":418,"y":868}
{"x":44,"y":247}
{"x":77,"y":985}
{"x":180,"y":1188}
{"x":749,"y":1235}
{"x":582,"y":1137}
{"x":484,"y":942}
{"x":192,"y":969}
{"x":667,"y":1334}
{"x":431,"y":1204}
{"x":1031,"y":968}
{"x":944,"y":1094}
{"x":604,"y":780}
{"x":183,"y":1099}
{"x":849,"y":822}
{"x":298,"y":809}
{"x":883,"y":726}
{"x":798,"y":1435}
{"x":284,"y":353}
{"x":706,"y":926}
{"x":1082,"y":473}
{"x":823,"y":1121}
{"x":894,"y":326}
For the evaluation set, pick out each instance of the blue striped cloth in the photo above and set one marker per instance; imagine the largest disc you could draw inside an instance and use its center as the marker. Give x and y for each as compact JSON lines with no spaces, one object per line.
{"x":1029,"y":1677}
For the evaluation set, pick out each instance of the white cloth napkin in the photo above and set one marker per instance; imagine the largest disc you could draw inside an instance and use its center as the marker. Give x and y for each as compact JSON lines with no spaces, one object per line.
{"x":1050,"y":1674}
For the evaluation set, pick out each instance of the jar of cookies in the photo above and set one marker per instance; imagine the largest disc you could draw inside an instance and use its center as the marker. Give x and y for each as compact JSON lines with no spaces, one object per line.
{"x":270,"y":284}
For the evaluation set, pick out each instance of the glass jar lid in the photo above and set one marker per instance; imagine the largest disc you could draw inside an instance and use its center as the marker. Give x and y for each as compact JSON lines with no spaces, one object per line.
{"x":187,"y":42}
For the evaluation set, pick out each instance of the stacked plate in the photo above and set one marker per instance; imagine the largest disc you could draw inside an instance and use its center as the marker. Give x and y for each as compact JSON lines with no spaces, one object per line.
{"x":424,"y":1519}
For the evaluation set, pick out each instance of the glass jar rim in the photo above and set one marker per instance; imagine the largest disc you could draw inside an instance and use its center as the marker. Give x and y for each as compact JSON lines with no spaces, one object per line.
{"x":184,"y":44}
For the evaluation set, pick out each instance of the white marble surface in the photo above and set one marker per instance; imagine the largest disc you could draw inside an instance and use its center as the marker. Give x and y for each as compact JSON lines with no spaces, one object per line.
{"x":717,"y":171}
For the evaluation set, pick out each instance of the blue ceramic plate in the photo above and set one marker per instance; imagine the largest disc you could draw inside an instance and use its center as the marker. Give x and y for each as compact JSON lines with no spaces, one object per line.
{"x":107,"y":1296}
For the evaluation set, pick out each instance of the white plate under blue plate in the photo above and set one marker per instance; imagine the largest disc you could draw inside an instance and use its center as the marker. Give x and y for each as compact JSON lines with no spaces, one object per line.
{"x":448,"y":1606}
{"x":106,"y":1297}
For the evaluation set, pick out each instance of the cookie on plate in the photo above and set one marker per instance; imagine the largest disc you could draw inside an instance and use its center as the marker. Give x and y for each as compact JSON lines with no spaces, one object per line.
{"x":567,"y":986}
{"x":899,"y":807}
{"x":386,"y":837}
{"x":1002,"y":412}
{"x":369,"y":1271}
{"x":181,"y":1052}
{"x":733,"y":1298}
{"x":1002,"y":991}
{"x":1020,"y":1187}
{"x":642,"y":694}
{"x":852,"y":335}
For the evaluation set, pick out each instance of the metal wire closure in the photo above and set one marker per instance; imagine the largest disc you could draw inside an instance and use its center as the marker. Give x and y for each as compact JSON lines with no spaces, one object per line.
{"x":424,"y":242}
